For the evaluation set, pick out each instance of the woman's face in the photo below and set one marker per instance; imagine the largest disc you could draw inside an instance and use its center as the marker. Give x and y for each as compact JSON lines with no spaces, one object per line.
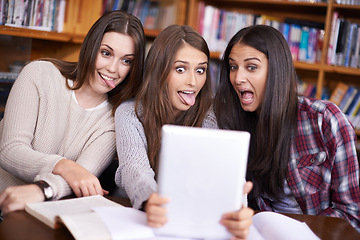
{"x":248,"y":75}
{"x":113,"y":61}
{"x":187,"y":77}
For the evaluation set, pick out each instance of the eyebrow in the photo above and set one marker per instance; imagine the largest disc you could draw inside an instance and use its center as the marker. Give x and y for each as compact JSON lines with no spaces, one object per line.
{"x":185,"y":62}
{"x":247,"y":59}
{"x":127,"y":55}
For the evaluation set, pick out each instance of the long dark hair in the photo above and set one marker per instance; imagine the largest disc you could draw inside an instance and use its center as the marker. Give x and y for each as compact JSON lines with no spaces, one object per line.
{"x":153,"y":96}
{"x":81,"y":71}
{"x":272,"y":128}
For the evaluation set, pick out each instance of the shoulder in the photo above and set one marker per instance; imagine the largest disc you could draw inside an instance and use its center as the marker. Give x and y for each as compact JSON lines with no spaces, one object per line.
{"x":43,"y":66}
{"x":126,"y":108}
{"x":40,"y":71}
{"x":316,"y":106}
{"x":318,"y":111}
{"x":210,"y":119}
{"x":125,"y":112}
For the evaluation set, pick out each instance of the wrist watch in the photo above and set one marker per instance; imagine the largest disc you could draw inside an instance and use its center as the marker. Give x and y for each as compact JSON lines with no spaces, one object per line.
{"x":46,"y":189}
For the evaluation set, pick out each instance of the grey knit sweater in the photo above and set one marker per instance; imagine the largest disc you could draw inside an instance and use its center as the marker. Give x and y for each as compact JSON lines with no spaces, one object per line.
{"x":43,"y":123}
{"x":134,"y":176}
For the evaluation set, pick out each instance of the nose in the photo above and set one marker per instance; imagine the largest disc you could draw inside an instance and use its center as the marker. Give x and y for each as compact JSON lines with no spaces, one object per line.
{"x":112,"y":65}
{"x":191,"y":80}
{"x":240,"y":77}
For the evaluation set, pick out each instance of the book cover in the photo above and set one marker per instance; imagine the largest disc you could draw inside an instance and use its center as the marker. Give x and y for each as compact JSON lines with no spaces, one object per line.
{"x":344,"y":29}
{"x":333,"y":36}
{"x":339,"y":93}
{"x":354,"y":104}
{"x":349,"y":99}
{"x":355,"y":52}
{"x":350,"y":44}
{"x":304,"y":42}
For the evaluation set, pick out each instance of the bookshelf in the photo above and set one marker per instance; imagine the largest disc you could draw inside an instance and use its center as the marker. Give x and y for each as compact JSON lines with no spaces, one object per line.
{"x":19,"y":44}
{"x":79,"y":17}
{"x":320,"y":72}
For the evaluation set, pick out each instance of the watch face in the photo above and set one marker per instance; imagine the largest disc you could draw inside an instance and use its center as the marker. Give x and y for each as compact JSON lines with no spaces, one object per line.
{"x":48,"y":192}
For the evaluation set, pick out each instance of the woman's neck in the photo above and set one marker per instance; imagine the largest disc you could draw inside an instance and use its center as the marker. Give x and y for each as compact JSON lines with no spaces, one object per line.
{"x":88,"y":98}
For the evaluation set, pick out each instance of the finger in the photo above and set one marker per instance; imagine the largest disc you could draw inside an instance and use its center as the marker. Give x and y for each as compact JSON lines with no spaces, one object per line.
{"x":3,"y":196}
{"x":85,"y":191}
{"x":156,"y":199}
{"x":247,"y":187}
{"x":98,"y":188}
{"x":240,"y":235}
{"x":105,"y":192}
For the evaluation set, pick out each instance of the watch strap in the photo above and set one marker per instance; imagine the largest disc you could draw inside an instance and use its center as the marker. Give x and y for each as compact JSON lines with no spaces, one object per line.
{"x":43,"y":185}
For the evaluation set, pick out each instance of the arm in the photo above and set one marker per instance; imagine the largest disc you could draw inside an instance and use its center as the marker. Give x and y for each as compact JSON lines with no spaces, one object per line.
{"x":340,"y":139}
{"x":134,"y":173}
{"x":18,"y":126}
{"x":81,"y":174}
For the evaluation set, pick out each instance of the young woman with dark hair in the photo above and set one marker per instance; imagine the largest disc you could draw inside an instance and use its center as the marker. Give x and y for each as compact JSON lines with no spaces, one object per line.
{"x":176,"y":90}
{"x":302,"y":154}
{"x":58,"y":133}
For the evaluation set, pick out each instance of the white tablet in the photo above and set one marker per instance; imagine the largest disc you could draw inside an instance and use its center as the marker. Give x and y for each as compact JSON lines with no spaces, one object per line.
{"x":202,"y":171}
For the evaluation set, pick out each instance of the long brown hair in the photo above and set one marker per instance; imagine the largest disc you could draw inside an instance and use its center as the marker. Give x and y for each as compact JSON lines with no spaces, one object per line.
{"x":273,"y":127}
{"x":81,"y":71}
{"x":153,"y":96}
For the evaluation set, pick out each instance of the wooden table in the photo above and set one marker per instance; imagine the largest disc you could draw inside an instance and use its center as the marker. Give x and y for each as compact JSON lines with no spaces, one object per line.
{"x":22,"y":226}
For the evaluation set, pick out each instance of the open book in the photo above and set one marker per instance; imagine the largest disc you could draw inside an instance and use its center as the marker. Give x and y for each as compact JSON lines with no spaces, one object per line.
{"x":76,"y":214}
{"x":97,"y":217}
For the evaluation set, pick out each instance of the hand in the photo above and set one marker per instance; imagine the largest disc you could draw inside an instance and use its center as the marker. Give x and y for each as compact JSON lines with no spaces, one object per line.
{"x":155,"y":212}
{"x":239,"y":222}
{"x":15,"y":197}
{"x":82,"y":182}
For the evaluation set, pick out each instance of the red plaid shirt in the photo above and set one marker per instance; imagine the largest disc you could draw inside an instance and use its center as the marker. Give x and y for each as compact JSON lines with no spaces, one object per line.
{"x":323,"y":172}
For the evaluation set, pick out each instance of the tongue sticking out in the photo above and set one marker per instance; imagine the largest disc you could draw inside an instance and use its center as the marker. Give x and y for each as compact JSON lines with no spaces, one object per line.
{"x":110,"y":83}
{"x":188,"y":98}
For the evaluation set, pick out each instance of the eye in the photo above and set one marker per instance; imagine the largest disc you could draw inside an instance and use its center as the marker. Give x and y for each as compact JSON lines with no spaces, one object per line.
{"x":200,"y":71}
{"x":105,"y":53}
{"x":233,"y":67}
{"x":127,"y":61}
{"x":252,"y":67}
{"x":180,"y":69}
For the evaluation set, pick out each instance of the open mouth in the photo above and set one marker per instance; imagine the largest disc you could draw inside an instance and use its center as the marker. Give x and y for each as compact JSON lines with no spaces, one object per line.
{"x":108,"y":80}
{"x":247,"y":97}
{"x":187,"y":97}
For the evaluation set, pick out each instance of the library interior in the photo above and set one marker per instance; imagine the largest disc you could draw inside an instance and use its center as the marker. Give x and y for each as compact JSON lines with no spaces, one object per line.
{"x":323,"y":36}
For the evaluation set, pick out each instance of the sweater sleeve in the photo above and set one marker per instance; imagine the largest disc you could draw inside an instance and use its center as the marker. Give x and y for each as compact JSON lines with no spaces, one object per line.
{"x":134,"y":173}
{"x":19,"y":124}
{"x":95,"y":157}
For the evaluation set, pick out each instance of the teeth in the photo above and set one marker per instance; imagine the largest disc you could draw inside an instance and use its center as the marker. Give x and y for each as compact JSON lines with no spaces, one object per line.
{"x":188,"y":92}
{"x":107,"y":78}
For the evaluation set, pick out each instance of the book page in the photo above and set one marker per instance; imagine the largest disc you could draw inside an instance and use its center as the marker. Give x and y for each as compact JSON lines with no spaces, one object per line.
{"x":128,"y":223}
{"x":276,"y":226}
{"x":86,"y":226}
{"x":48,"y":211}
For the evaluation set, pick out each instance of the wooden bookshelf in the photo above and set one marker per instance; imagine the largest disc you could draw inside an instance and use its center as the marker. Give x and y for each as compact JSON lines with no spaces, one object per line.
{"x":317,"y":12}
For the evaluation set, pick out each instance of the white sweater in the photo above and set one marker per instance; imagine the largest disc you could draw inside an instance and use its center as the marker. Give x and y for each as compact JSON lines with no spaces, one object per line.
{"x":43,"y":123}
{"x":134,"y":176}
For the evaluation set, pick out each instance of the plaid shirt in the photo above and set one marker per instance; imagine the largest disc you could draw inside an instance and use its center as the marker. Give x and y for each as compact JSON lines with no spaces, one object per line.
{"x":323,"y":172}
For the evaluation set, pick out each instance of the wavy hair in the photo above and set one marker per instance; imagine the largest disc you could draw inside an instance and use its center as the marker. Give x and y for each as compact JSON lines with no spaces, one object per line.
{"x":115,"y":21}
{"x":154,"y":96}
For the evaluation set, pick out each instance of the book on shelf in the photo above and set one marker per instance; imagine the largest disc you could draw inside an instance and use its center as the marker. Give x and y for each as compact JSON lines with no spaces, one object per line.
{"x":354,"y":106}
{"x":153,"y":14}
{"x":339,"y":93}
{"x":348,"y":98}
{"x":333,"y":38}
{"x":97,"y":217}
{"x":45,"y":15}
